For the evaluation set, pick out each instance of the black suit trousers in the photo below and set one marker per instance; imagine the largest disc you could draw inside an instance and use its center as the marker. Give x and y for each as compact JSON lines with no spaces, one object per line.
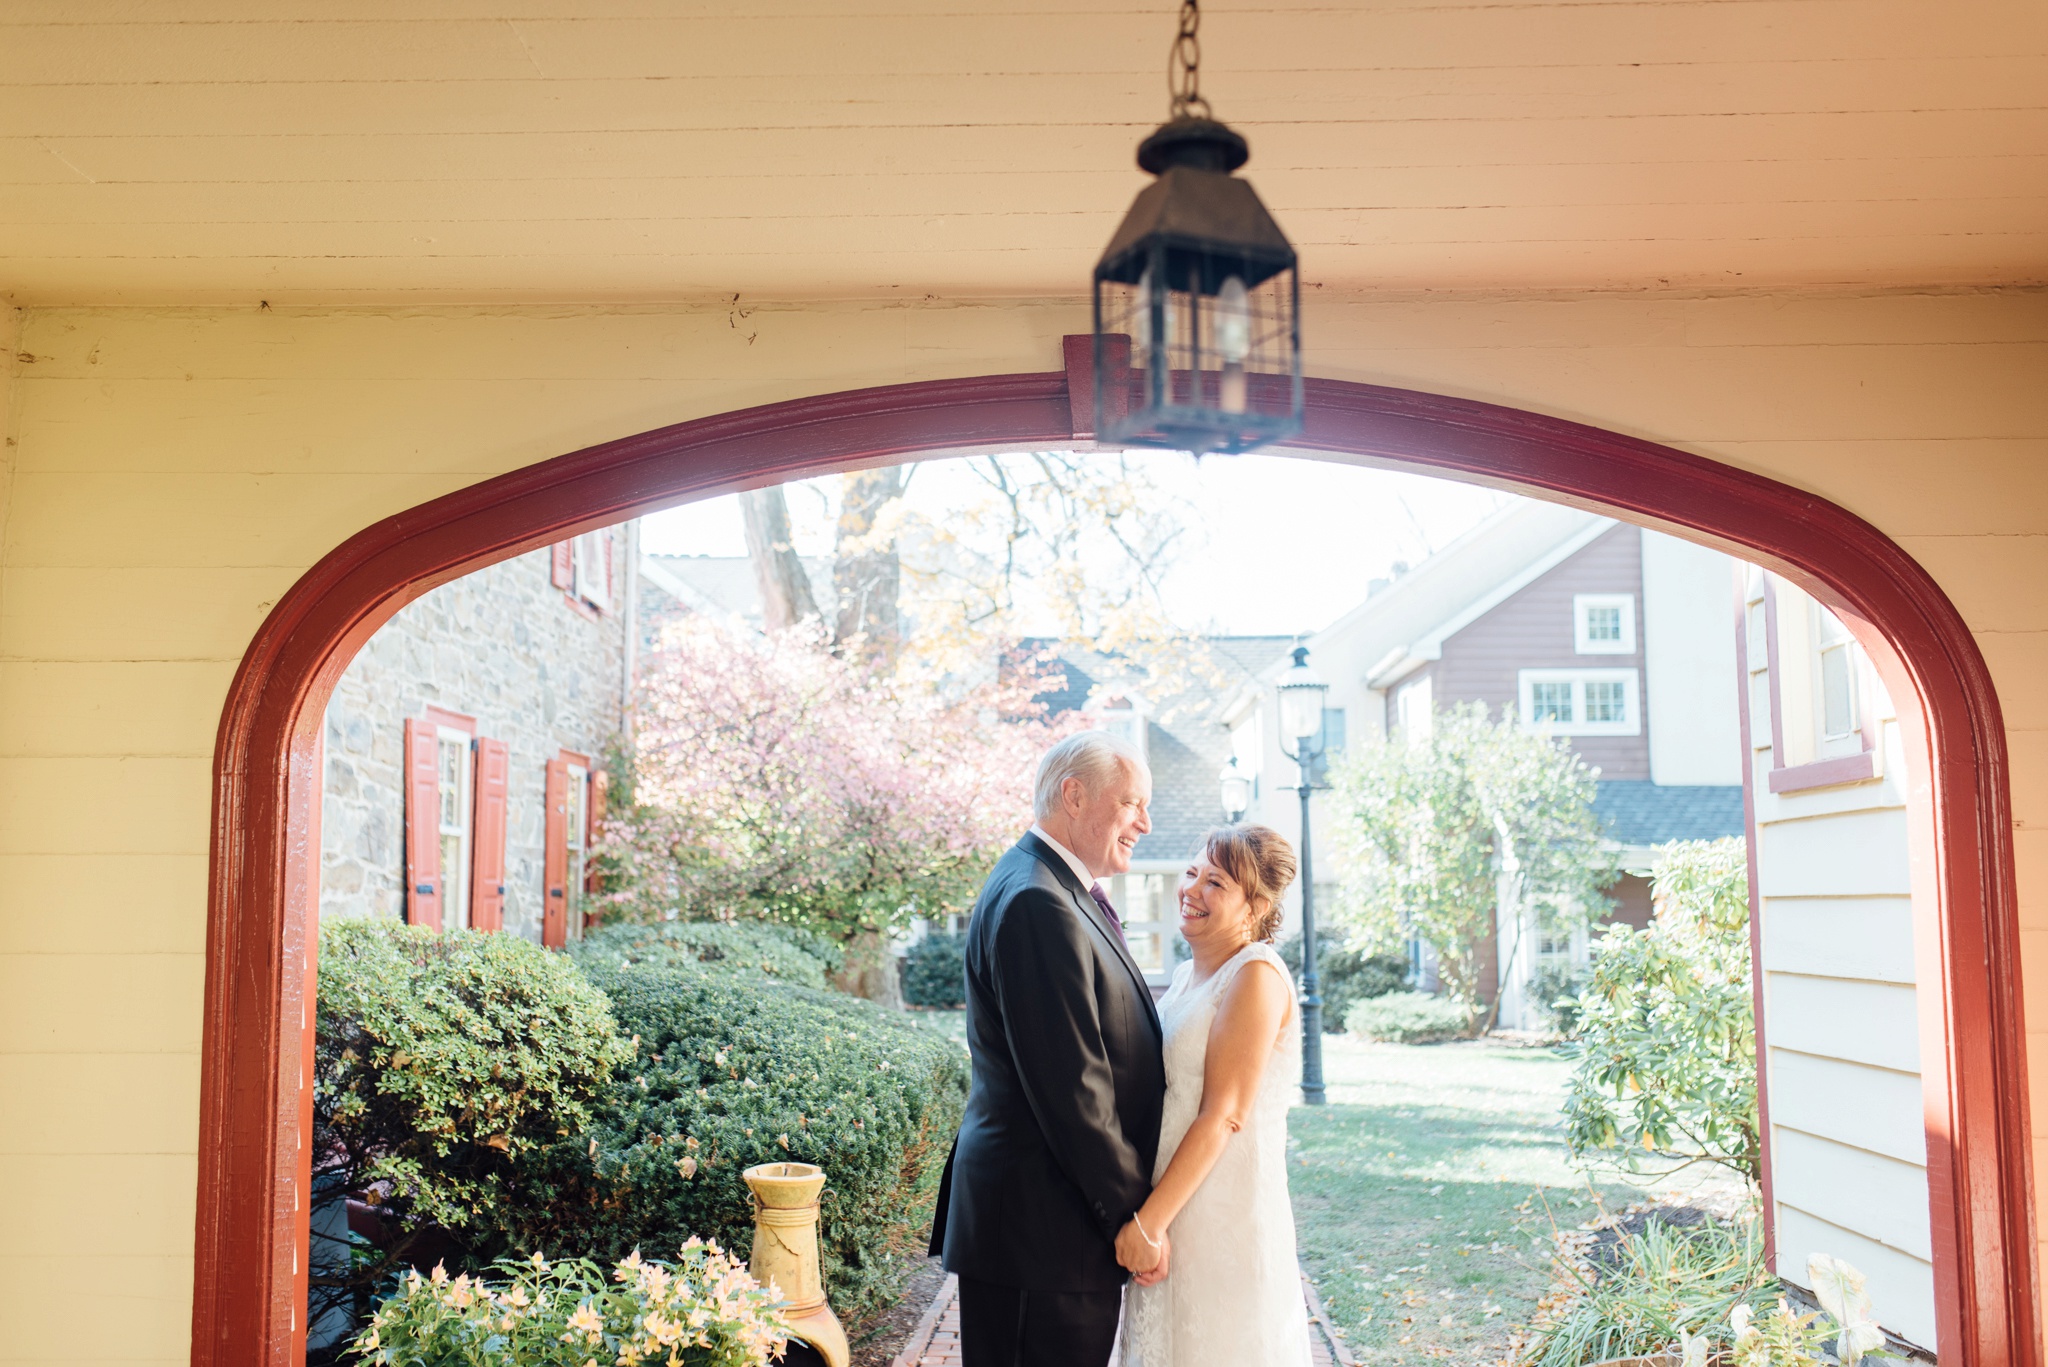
{"x":1007,"y":1326}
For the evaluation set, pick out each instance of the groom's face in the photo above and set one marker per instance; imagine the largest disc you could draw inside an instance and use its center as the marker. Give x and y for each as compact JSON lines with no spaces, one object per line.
{"x":1107,"y":825}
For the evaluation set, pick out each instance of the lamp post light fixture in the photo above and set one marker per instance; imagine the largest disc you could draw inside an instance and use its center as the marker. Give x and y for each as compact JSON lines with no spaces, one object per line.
{"x":1237,"y":792}
{"x":1201,"y":285}
{"x":1302,"y":692}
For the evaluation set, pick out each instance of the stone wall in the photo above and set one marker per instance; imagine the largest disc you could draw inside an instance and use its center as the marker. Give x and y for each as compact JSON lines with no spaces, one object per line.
{"x":502,"y":645}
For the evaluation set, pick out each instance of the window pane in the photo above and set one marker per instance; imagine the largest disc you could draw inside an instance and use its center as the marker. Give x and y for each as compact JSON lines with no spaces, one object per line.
{"x":575,"y":823}
{"x":1606,"y":701}
{"x":1603,"y":623}
{"x":1550,"y":702}
{"x":1837,"y":698}
{"x":451,"y":758}
{"x":451,"y":879}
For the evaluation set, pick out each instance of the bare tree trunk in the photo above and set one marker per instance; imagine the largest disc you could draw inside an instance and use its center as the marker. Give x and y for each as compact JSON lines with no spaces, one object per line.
{"x":866,"y":572}
{"x":785,"y":585}
{"x":870,"y":971}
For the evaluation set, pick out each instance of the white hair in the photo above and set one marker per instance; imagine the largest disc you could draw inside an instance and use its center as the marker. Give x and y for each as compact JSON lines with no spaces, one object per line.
{"x":1093,"y":757}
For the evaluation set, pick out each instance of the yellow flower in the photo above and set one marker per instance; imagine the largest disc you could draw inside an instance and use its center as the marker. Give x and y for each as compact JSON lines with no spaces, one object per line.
{"x":440,"y":1274}
{"x":586,"y":1320}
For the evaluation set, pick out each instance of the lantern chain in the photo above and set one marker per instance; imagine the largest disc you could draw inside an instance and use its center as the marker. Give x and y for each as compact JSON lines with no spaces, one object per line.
{"x":1184,"y":74}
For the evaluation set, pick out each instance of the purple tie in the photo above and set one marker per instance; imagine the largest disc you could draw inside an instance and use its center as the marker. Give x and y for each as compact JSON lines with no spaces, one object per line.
{"x":1102,"y":900}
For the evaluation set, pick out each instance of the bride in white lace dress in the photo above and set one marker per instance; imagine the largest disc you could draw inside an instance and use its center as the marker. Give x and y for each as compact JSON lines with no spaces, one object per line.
{"x":1214,"y":1243}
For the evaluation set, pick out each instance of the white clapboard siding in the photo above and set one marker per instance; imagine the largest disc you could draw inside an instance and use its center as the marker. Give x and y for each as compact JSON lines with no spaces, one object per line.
{"x":1848,"y":1145}
{"x":1867,"y":1108}
{"x":1857,"y":853}
{"x":1901,"y":1286}
{"x":1843,"y":937}
{"x":1881,"y":1198}
{"x":1862,"y":1022}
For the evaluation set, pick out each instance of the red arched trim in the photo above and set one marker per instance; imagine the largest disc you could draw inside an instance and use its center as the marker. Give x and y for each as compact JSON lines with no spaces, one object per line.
{"x":266,"y":779}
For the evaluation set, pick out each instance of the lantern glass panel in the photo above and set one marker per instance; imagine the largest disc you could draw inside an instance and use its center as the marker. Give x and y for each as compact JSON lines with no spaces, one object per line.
{"x":1215,"y":348}
{"x":1301,"y":709}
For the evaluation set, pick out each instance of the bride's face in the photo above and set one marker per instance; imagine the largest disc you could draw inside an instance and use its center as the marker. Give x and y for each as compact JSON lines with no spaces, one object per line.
{"x":1213,"y":907}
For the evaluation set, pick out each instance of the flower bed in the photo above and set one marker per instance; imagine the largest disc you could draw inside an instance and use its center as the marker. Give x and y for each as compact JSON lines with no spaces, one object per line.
{"x":702,"y":1310}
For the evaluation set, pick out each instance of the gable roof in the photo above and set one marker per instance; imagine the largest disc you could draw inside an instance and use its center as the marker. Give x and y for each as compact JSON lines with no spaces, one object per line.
{"x":1186,"y":741}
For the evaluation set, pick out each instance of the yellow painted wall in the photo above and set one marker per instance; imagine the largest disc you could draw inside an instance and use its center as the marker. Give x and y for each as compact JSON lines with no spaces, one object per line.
{"x":177,"y":470}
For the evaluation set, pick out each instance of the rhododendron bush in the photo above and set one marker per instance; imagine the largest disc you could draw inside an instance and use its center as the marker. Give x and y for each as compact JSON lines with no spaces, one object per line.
{"x":774,"y":778}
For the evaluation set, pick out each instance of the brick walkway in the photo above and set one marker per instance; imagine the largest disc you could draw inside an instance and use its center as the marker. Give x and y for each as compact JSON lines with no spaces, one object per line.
{"x":936,"y":1340}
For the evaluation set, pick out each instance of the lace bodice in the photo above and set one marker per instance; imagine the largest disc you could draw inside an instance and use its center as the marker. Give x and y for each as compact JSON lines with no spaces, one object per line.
{"x":1233,"y":1298}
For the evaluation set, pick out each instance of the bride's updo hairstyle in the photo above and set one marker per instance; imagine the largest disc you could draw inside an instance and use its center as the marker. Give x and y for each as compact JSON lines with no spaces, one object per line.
{"x":1259,"y":860}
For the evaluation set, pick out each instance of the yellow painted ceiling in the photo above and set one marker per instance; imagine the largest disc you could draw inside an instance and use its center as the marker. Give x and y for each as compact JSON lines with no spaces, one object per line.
{"x":309,"y":151}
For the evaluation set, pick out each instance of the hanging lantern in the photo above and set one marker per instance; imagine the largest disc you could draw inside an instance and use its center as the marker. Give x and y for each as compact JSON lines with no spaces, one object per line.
{"x":1202,"y":282}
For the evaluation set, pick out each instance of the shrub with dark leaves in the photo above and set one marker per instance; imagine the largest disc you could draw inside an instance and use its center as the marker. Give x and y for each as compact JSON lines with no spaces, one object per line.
{"x":732,"y":1073}
{"x":444,"y":1064}
{"x":935,"y":970}
{"x":1348,"y":975}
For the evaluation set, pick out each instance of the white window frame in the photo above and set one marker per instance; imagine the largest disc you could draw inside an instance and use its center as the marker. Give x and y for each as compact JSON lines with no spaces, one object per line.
{"x":1828,"y":635}
{"x":1127,"y":716}
{"x":1582,"y":606}
{"x":590,"y":568}
{"x":576,"y":843}
{"x":453,"y":741}
{"x":1632,"y":704}
{"x":1415,"y":709}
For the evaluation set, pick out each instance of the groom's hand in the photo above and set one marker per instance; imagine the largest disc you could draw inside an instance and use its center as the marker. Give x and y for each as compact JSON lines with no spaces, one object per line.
{"x":1158,"y":1272}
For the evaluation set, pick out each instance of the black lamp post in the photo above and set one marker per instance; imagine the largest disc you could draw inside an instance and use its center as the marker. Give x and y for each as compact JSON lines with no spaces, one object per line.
{"x":1302,"y":692}
{"x":1237,"y":792}
{"x":1200,"y":284}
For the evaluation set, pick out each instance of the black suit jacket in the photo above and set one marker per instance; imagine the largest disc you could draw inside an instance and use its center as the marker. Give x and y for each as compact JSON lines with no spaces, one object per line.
{"x":1062,"y":1121}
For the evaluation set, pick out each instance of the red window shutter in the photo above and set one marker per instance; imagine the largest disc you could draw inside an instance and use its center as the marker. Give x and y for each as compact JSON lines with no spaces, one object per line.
{"x":422,"y":825}
{"x":562,"y":570}
{"x":487,"y":836}
{"x":611,"y":577}
{"x":554,"y":919}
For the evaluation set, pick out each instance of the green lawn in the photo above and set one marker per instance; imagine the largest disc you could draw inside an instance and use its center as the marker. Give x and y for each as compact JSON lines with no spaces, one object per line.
{"x":1426,"y":1192}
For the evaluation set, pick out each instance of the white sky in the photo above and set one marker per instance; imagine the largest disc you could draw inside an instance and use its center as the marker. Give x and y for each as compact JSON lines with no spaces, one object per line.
{"x":1281,"y":544}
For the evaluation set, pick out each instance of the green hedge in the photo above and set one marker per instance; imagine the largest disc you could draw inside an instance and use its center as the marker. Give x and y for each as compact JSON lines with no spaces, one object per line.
{"x":935,"y":971}
{"x":783,"y":953}
{"x":731,"y":1073}
{"x":1409,"y":1018}
{"x":1346,"y":975}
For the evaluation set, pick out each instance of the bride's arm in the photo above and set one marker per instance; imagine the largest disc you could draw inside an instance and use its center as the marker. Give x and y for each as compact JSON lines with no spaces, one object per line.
{"x":1240,"y":1043}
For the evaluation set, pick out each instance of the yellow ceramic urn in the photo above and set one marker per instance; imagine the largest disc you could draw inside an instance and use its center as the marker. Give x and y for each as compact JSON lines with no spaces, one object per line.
{"x":786,"y":1251}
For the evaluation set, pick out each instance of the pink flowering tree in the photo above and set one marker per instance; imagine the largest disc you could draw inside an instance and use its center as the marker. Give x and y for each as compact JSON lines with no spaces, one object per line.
{"x":774,"y":778}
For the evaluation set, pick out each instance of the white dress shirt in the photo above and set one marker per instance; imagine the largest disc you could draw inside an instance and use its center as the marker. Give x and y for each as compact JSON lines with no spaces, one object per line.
{"x":1088,"y":880}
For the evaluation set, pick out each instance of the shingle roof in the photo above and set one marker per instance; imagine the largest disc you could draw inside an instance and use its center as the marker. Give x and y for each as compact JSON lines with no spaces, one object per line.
{"x":1187,"y":748}
{"x":1639,"y":812}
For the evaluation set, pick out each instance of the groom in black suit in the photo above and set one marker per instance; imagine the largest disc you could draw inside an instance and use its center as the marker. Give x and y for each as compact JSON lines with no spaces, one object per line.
{"x":1062,"y":1124}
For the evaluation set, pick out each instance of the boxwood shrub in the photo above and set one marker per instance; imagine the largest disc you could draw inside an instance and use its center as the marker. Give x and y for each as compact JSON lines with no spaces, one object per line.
{"x":935,"y":970}
{"x":1346,"y":975}
{"x":781,"y":952}
{"x":1409,"y":1018}
{"x":731,"y":1072}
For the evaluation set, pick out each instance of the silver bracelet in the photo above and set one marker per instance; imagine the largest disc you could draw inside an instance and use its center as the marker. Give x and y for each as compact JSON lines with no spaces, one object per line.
{"x":1150,"y":1242}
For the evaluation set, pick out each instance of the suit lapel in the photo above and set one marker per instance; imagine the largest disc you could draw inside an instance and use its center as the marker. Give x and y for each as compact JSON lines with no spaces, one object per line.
{"x":1085,"y":904}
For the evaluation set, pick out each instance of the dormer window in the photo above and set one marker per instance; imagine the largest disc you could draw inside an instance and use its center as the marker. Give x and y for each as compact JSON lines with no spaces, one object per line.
{"x":1123,"y":714}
